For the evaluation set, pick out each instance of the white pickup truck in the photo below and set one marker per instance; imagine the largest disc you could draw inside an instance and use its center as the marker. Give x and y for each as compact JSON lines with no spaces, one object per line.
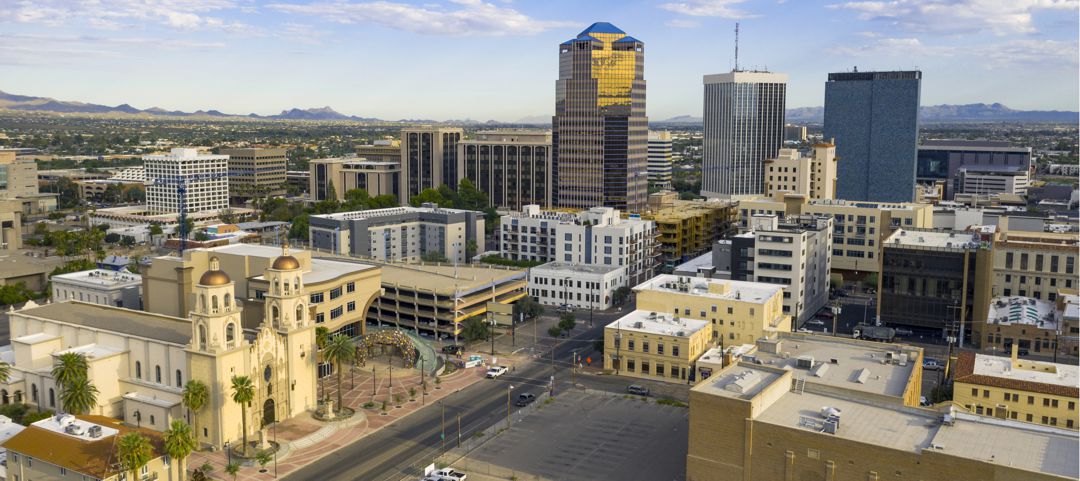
{"x":495,"y":372}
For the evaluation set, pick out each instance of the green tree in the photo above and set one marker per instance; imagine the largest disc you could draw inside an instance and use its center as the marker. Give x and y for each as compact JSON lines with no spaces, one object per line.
{"x":620,"y":295}
{"x":434,"y":256}
{"x":474,"y":328}
{"x":356,"y":199}
{"x":322,"y":334}
{"x":179,"y":444}
{"x":69,"y":368}
{"x":79,"y":396}
{"x":135,"y":195}
{"x":383,"y":201}
{"x":5,"y":372}
{"x":243,"y":392}
{"x":469,"y":197}
{"x":227,"y":216}
{"x":567,"y":322}
{"x":554,"y":331}
{"x":41,"y":228}
{"x":201,"y":235}
{"x":155,"y":230}
{"x":299,"y":227}
{"x":428,"y":195}
{"x":195,"y":396}
{"x":232,"y":469}
{"x":340,"y":351}
{"x":529,"y":307}
{"x":331,"y":192}
{"x":133,"y":451}
{"x":470,"y":250}
{"x":189,"y":227}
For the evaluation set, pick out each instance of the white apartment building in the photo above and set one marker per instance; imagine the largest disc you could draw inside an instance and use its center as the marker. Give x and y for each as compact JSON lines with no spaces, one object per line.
{"x":660,"y":158}
{"x":99,"y":286}
{"x":205,"y":178}
{"x":403,"y":234}
{"x":575,"y":285}
{"x":992,"y":179}
{"x":598,"y":236}
{"x":792,"y":172}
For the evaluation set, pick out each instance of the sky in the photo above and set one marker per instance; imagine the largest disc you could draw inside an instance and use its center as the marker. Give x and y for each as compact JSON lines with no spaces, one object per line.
{"x":497,"y":59}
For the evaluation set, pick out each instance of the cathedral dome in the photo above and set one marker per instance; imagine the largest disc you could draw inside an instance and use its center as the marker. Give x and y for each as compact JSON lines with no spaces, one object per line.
{"x":285,"y":263}
{"x":214,"y":278}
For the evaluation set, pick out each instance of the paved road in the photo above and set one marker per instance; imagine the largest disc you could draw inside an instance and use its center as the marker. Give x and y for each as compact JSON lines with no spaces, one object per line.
{"x":388,"y":453}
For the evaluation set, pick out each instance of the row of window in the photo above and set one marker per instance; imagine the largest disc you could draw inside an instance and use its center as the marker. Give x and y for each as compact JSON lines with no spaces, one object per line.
{"x":656,"y":370}
{"x":1013,"y":397}
{"x":630,"y":345}
{"x":157,"y":374}
{"x":1070,"y":262}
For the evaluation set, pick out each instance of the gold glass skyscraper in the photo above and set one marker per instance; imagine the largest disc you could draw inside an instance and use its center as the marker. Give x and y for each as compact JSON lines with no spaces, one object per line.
{"x":600,"y":132}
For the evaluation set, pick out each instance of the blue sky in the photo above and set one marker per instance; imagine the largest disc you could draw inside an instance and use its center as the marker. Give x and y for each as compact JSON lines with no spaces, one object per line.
{"x":497,"y":59}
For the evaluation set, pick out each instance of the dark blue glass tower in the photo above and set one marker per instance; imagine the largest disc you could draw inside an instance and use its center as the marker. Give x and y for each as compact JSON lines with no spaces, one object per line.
{"x":873,"y":117}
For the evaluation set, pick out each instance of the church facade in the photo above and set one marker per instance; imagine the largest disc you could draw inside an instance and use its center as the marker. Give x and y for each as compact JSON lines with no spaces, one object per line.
{"x":140,"y":361}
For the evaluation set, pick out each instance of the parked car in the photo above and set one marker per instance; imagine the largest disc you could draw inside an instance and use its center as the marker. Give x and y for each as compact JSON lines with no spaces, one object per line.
{"x":495,"y":372}
{"x":637,"y":389}
{"x":453,"y":349}
{"x":449,"y":474}
{"x":923,"y":401}
{"x":525,"y":399}
{"x":932,"y":365}
{"x":815,"y":322}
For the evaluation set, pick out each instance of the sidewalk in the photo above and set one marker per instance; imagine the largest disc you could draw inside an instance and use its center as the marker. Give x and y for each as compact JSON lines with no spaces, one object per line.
{"x":304,"y":439}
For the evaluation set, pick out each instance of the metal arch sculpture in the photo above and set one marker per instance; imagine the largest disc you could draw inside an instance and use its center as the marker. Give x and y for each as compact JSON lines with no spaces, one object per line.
{"x":387,"y":337}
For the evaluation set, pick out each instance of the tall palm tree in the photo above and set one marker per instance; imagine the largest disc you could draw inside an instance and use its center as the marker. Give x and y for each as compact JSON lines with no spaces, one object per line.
{"x":243,"y":392}
{"x":339,"y":350}
{"x":69,"y":367}
{"x":179,"y":443}
{"x":5,"y":372}
{"x":134,"y":451}
{"x":195,"y":396}
{"x":79,"y":396}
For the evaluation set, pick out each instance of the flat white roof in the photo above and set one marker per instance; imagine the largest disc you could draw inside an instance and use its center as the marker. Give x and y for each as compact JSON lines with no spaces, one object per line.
{"x":36,"y":338}
{"x":564,"y":267}
{"x":59,"y":423}
{"x":1024,"y":370}
{"x":91,"y":351}
{"x":8,"y":429}
{"x":101,"y":277}
{"x":755,"y":292}
{"x":152,"y":400}
{"x":743,"y":381}
{"x":658,"y":323}
{"x":941,"y":239}
{"x":1023,"y":310}
{"x":369,"y":214}
{"x":321,"y":269}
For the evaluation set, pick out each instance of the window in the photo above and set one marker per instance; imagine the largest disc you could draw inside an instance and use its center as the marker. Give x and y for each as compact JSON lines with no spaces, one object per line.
{"x":350,"y":287}
{"x":1053,"y":403}
{"x":1072,"y":405}
{"x":316,"y":298}
{"x":351,"y":306}
{"x":157,"y":374}
{"x":974,"y":392}
{"x":152,"y":420}
{"x":644,"y":348}
{"x":138,"y":370}
{"x":645,"y":367}
{"x":1031,"y":399}
{"x":335,"y":293}
{"x":1008,"y":260}
{"x":675,"y":350}
{"x":336,"y":312}
{"x":320,"y":318}
{"x":1030,"y":418}
{"x":1046,"y":402}
{"x":630,"y":345}
{"x":986,"y":393}
{"x":659,"y":369}
{"x":179,"y":379}
{"x":659,"y":348}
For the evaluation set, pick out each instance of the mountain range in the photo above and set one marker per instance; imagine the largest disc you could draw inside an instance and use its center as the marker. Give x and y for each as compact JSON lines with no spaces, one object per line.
{"x":932,"y":113}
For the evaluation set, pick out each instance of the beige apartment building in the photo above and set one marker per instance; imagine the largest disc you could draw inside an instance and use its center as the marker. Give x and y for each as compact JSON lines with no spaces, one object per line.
{"x":1034,"y":264}
{"x":859,"y":228}
{"x":813,"y":176}
{"x":1036,"y":392}
{"x":655,"y":345}
{"x":333,"y":177}
{"x":19,"y":185}
{"x":339,"y":291}
{"x":512,"y":166}
{"x":429,"y":158}
{"x":256,"y":172}
{"x":739,"y":312}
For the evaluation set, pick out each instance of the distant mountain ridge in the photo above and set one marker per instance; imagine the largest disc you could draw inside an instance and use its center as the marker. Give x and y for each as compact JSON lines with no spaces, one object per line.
{"x":994,"y":112}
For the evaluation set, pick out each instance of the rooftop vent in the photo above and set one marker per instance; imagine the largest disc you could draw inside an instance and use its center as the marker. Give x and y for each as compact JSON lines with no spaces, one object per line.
{"x":94,"y":431}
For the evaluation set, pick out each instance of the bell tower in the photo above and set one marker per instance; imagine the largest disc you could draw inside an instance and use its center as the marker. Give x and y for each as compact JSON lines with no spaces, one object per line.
{"x":286,"y":304}
{"x":215,"y":319}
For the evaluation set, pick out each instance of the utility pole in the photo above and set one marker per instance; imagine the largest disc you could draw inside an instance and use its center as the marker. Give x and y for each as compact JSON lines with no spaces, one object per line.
{"x":423,"y":385}
{"x":491,"y":331}
{"x":442,"y":427}
{"x":551,"y":389}
{"x":373,"y":387}
{"x":508,"y":388}
{"x":459,"y":430}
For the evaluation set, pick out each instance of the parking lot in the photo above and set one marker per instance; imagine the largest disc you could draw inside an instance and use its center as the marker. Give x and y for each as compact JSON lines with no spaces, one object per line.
{"x":591,"y":436}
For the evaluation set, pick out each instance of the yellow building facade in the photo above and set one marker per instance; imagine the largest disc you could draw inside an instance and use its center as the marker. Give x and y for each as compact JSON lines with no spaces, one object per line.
{"x":688,"y":228}
{"x":655,"y":346}
{"x":1011,"y":388}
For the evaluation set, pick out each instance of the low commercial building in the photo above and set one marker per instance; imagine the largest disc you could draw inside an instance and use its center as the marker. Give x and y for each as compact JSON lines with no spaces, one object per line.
{"x":434,"y":300}
{"x":139,"y":216}
{"x":655,"y":346}
{"x":942,"y":160}
{"x":1001,"y":387}
{"x":99,"y":286}
{"x":99,"y":190}
{"x":813,"y":175}
{"x":340,"y":291}
{"x":934,"y":281}
{"x":1034,"y":264}
{"x":1034,"y":325}
{"x":19,"y":188}
{"x":512,"y":166}
{"x":333,"y":177}
{"x":739,"y":312}
{"x":401,"y":234}
{"x":761,"y":422}
{"x":582,"y":286}
{"x":598,"y":236}
{"x":256,"y":172}
{"x":794,"y":252}
{"x":992,"y":180}
{"x":688,"y":228}
{"x":64,"y":446}
{"x":10,"y":226}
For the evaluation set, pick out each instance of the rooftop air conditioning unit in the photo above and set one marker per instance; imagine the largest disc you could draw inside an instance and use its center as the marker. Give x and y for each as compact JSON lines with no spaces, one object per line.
{"x":94,"y":431}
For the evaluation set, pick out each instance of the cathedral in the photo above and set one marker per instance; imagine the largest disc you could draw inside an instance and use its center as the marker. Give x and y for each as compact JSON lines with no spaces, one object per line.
{"x":140,"y":361}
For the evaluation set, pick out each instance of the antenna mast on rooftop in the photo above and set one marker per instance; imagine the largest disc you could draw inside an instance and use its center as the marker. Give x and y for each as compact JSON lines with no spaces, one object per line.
{"x":736,"y":46}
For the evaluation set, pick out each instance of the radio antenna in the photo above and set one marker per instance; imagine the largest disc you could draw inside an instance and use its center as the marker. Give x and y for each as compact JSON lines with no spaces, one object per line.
{"x":736,"y":46}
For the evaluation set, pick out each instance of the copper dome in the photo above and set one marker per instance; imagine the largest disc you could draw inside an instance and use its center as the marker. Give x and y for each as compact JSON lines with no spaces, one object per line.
{"x":214,"y":278}
{"x":285,"y":263}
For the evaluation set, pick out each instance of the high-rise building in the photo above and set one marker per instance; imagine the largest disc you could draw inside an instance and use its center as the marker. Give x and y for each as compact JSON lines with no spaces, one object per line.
{"x":204,"y":177}
{"x":335,"y":176}
{"x":744,"y":125}
{"x":873,"y":117}
{"x":512,"y":166}
{"x":600,"y":131}
{"x":813,"y":176}
{"x":429,"y":159}
{"x":660,"y":158}
{"x":256,"y":172}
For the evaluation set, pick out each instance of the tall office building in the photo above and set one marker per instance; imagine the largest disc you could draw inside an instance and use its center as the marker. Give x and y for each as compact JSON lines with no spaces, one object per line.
{"x":600,"y":131}
{"x":660,"y":158}
{"x":256,"y":173}
{"x":873,"y":117}
{"x":204,"y":176}
{"x":744,"y":125}
{"x":429,"y":159}
{"x":513,"y":167}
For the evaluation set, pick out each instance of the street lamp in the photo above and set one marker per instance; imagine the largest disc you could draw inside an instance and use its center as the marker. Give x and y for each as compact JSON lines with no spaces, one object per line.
{"x":491,"y":331}
{"x":618,"y":346}
{"x":508,"y":388}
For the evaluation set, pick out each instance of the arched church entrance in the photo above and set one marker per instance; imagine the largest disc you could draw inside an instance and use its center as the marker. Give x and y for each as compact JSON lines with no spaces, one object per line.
{"x":268,"y":412}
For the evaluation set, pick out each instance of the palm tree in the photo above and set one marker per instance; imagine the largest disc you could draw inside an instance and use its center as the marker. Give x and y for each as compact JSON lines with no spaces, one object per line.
{"x":195,"y":396}
{"x":232,"y":469}
{"x":339,"y":350}
{"x":5,"y":372}
{"x":179,"y":443}
{"x":243,"y":392}
{"x":69,"y":367}
{"x":79,"y":396}
{"x":134,"y":451}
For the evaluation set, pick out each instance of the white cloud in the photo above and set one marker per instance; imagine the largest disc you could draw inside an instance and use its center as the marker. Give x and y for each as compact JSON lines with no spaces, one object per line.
{"x":707,"y":8}
{"x":1043,"y":54}
{"x":957,"y":16}
{"x":682,"y":23}
{"x":460,"y":18}
{"x":26,"y":49}
{"x":889,"y":47}
{"x":126,"y":14}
